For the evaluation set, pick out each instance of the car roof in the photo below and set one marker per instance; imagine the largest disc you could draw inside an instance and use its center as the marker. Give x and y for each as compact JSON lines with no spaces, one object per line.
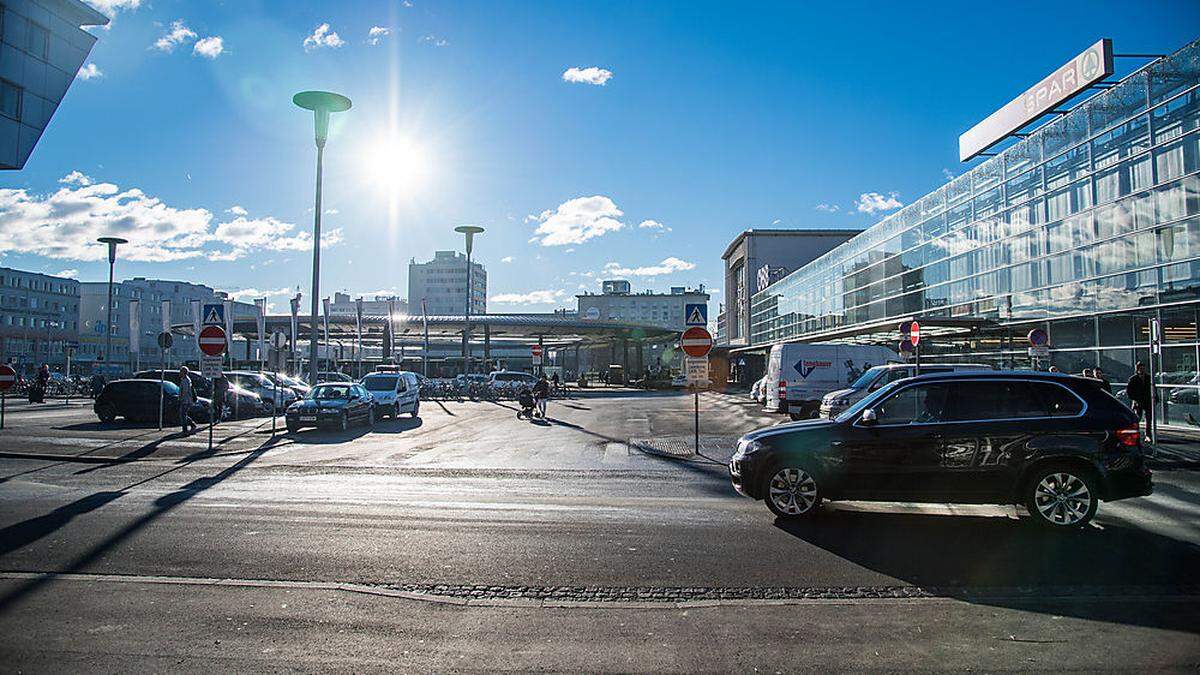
{"x":897,"y":366}
{"x":1062,"y":378}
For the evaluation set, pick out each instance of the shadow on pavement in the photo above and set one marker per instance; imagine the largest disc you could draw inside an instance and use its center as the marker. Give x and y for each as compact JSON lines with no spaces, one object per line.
{"x":397,"y":425}
{"x":20,"y":534}
{"x":953,"y":552}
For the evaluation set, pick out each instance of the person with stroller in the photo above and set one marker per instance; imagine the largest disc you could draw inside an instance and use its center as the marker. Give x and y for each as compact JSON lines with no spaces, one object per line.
{"x":541,"y":393}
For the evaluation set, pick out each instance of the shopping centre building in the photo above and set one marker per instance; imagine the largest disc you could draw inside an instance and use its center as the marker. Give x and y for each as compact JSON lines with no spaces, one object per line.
{"x":1087,"y":227}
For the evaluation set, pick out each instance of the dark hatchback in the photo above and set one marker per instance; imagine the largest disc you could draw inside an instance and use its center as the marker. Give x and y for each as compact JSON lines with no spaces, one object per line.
{"x":332,"y":404}
{"x":1054,"y":443}
{"x":138,"y":400}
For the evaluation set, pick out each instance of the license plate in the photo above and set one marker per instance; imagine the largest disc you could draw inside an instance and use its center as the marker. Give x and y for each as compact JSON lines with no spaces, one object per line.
{"x":310,"y":418}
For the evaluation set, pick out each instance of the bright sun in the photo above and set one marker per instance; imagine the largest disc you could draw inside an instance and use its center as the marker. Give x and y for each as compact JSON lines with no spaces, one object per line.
{"x":398,"y":166}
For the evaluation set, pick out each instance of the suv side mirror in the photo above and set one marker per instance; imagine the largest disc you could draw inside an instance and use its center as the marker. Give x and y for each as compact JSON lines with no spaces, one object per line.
{"x":869,"y":417}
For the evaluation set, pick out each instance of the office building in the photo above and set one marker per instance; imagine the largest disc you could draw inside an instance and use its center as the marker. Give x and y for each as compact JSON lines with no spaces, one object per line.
{"x":757,"y":258}
{"x":617,"y":303}
{"x":442,"y":284}
{"x":39,"y":319}
{"x":1088,"y":228}
{"x":42,"y":47}
{"x":378,"y":305}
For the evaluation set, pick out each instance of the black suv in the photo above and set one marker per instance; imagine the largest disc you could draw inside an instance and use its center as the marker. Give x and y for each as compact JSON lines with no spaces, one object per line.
{"x":1055,"y":443}
{"x":138,"y":400}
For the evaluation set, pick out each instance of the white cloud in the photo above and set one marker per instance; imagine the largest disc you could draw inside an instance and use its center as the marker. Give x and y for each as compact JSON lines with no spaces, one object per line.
{"x":91,"y":72}
{"x":667,"y":266}
{"x":73,"y":273}
{"x":776,"y":221}
{"x":323,"y":37}
{"x":589,"y":75}
{"x":828,"y":208}
{"x":65,"y":224}
{"x":109,"y":7}
{"x":871,"y":202}
{"x":175,"y":36}
{"x":505,"y":259}
{"x":946,"y":173}
{"x":576,"y":221}
{"x":239,"y":211}
{"x":433,"y":40}
{"x":545,"y":297}
{"x":209,"y":47}
{"x":252,"y":294}
{"x":653,"y":225}
{"x":376,"y":35}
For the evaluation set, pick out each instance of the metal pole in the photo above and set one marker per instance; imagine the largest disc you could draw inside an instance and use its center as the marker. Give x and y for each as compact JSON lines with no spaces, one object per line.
{"x":1154,"y":328}
{"x":108,"y":322}
{"x":917,"y":353}
{"x":212,"y":414}
{"x":467,"y":326}
{"x":275,"y":396}
{"x":3,"y":398}
{"x":696,"y":410}
{"x":162,"y":374}
{"x":316,"y":280}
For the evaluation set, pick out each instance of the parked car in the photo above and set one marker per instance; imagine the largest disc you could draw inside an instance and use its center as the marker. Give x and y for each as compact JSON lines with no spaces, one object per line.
{"x":679,"y":381}
{"x":835,"y":402}
{"x":241,"y":403}
{"x":264,"y":386}
{"x":799,"y":375}
{"x":200,"y":384}
{"x":757,"y":392}
{"x":138,"y":400}
{"x":296,"y":384}
{"x":394,"y":392}
{"x":332,"y":376}
{"x":1052,"y":442}
{"x":510,"y":381}
{"x":332,"y":404}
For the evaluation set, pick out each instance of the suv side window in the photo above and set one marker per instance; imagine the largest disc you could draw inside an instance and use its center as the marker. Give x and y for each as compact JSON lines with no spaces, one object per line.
{"x":996,"y":400}
{"x":1056,"y":399}
{"x":920,"y":404}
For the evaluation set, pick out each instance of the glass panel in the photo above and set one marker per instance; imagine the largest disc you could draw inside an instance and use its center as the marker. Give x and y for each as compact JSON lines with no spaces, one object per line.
{"x":1118,"y":103}
{"x":1179,"y":241}
{"x":1174,"y":75}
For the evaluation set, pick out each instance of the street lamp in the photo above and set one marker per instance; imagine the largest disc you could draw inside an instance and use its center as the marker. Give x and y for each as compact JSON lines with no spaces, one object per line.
{"x":469,"y":231}
{"x":321,"y":103}
{"x":112,"y":260}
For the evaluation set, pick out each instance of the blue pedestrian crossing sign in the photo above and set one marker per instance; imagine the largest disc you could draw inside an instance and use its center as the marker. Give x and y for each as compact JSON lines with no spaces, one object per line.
{"x":696,"y":314}
{"x":213,"y":314}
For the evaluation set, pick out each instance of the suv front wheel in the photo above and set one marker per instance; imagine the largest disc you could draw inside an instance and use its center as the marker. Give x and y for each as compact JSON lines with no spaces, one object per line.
{"x":792,"y":492}
{"x":1061,"y":497}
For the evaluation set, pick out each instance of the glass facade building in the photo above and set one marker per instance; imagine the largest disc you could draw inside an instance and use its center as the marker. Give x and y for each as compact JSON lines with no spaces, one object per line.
{"x":1088,"y":228}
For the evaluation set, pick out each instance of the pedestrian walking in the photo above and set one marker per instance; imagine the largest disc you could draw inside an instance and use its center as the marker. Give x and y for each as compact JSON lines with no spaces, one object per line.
{"x":97,"y":384}
{"x":1140,"y":390}
{"x":37,"y":393}
{"x":185,"y":401}
{"x":1099,"y":375}
{"x":554,"y":382}
{"x":541,"y":392}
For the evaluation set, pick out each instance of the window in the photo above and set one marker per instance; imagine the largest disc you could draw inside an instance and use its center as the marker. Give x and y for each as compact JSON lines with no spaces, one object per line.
{"x":39,"y":40}
{"x":913,"y":405}
{"x":10,"y":100}
{"x":1056,"y":399}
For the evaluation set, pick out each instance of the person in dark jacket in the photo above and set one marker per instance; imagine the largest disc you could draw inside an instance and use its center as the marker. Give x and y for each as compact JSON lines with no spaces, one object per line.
{"x":541,"y":392}
{"x":1141,"y":392}
{"x":186,"y":398}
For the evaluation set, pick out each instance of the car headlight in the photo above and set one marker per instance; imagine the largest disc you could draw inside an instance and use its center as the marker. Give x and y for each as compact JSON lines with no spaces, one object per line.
{"x":842,"y":401}
{"x":747,"y":447}
{"x":329,"y":410}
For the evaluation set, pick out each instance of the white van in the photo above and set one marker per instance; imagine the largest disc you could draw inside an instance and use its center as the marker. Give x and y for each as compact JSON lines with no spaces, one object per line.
{"x":836,"y":401}
{"x":799,"y":375}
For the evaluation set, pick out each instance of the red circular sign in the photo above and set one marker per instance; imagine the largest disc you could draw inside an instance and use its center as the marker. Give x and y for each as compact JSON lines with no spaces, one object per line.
{"x":536,"y":350}
{"x":212,"y":340}
{"x":914,"y":333}
{"x":8,"y":377}
{"x":696,"y":341}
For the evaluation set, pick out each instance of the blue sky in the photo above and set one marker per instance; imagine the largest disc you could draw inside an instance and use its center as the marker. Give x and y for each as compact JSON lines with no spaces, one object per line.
{"x":681,"y":125}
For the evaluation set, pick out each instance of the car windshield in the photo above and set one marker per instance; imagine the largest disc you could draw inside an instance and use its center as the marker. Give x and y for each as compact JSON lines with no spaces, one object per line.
{"x":866,"y":402}
{"x":330,"y":392}
{"x":170,"y":387}
{"x":866,"y":378}
{"x":380,"y":382}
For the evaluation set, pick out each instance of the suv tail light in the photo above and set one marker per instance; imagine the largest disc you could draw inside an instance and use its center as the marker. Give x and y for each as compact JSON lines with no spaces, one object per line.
{"x":782,"y":390}
{"x":1129,"y":436}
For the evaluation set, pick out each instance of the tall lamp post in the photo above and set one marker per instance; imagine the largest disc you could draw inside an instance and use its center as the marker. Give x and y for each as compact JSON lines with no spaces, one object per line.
{"x":112,"y":242}
{"x":322,"y":103}
{"x":469,"y":231}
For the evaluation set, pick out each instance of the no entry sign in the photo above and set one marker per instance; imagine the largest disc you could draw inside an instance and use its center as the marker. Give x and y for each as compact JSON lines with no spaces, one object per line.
{"x":696,"y":341}
{"x":212,"y":340}
{"x":8,"y":377}
{"x":914,"y":333}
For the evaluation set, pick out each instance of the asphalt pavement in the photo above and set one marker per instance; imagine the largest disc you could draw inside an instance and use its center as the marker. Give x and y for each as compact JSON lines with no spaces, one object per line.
{"x":468,"y":539}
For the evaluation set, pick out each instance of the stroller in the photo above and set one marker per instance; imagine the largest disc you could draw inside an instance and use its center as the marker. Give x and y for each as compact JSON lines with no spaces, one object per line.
{"x":525,"y":400}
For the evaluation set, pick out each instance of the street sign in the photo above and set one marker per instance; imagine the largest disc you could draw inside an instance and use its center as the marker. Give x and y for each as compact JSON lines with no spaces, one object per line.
{"x":536,"y":352}
{"x":212,"y":340}
{"x":165,"y":340}
{"x":213,"y":314}
{"x":278,"y":339}
{"x":696,"y":341}
{"x":914,"y":333}
{"x":695,"y":314}
{"x":696,"y":371}
{"x":1038,"y":337}
{"x":210,"y":367}
{"x":8,"y":377}
{"x":1039,"y":351}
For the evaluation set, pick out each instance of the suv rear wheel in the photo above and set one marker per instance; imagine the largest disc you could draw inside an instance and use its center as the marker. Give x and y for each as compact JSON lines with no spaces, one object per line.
{"x":1061,"y":497}
{"x":792,"y":492}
